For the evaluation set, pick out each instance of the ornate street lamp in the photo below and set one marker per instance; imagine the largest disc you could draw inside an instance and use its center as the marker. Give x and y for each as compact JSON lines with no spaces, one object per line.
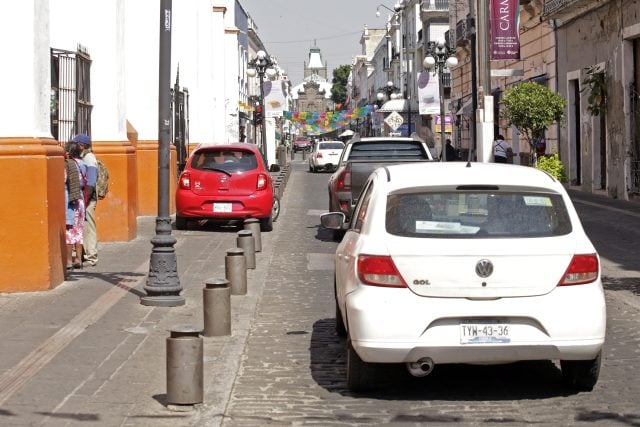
{"x":262,"y":64}
{"x":439,"y":55}
{"x":163,"y":284}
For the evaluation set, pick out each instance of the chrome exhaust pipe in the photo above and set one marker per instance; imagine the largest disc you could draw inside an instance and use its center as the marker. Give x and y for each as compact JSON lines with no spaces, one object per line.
{"x":421,"y":368}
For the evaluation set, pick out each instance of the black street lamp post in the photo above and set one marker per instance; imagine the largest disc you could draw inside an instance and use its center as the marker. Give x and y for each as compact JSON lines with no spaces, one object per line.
{"x":438,"y":55}
{"x":262,"y":64}
{"x":163,"y":284}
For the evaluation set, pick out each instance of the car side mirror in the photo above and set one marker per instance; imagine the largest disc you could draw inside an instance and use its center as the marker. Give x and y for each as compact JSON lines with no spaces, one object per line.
{"x":332,"y":220}
{"x":274,"y":168}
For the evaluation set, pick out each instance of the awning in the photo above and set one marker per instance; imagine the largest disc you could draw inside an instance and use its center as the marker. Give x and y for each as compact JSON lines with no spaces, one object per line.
{"x":399,"y":105}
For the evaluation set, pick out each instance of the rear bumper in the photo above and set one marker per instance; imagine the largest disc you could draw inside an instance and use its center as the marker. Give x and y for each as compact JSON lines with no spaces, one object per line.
{"x":396,"y":326}
{"x":258,"y":205}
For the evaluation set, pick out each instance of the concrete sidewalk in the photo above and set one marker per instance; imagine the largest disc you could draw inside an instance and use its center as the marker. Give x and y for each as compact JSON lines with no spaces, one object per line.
{"x":88,"y":351}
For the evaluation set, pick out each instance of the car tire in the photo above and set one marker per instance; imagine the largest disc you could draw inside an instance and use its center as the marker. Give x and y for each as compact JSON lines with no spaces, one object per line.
{"x":341,"y":330}
{"x":275,"y":209}
{"x":360,"y":374}
{"x":266,"y":224}
{"x":181,"y":223}
{"x":581,"y":375}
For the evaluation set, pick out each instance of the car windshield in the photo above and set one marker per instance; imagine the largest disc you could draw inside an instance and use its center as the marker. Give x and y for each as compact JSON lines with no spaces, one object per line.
{"x":331,"y":146}
{"x":477,"y":214}
{"x":225,"y":160}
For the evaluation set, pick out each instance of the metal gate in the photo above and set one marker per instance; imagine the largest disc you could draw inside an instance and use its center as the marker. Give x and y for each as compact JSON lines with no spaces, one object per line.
{"x":635,"y":139}
{"x":180,"y":122}
{"x":70,"y":106}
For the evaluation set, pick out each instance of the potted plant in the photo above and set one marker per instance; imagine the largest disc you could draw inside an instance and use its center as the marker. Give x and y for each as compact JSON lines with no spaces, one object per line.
{"x":532,"y":108}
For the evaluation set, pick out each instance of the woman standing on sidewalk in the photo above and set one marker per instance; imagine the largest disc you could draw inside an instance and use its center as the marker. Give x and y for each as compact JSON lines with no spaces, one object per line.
{"x":75,"y":184}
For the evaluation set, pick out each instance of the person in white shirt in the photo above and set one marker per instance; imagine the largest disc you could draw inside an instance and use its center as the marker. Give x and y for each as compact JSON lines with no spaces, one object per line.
{"x":500,"y":148}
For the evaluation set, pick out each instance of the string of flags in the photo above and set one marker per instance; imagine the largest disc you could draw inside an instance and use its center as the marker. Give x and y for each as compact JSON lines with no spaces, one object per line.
{"x":324,"y":122}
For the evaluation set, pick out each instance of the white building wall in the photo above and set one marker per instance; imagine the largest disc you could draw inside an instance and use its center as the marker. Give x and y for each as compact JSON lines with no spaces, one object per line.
{"x":216,"y":90}
{"x":231,"y":84}
{"x":27,"y":80}
{"x":99,"y":26}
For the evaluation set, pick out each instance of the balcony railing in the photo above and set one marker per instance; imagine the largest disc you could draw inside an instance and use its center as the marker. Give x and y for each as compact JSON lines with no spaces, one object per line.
{"x":553,"y":6}
{"x":435,"y":5}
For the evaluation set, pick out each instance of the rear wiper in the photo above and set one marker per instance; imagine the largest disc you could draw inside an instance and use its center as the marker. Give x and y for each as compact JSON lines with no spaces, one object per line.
{"x":216,"y":169}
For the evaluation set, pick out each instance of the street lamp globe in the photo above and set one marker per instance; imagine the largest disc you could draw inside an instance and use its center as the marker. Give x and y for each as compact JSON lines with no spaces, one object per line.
{"x":452,"y":61}
{"x":397,"y":7}
{"x":389,"y":84}
{"x":429,"y":62}
{"x":440,"y":43}
{"x":271,"y":72}
{"x":261,"y":54}
{"x":380,"y":96}
{"x":251,"y":72}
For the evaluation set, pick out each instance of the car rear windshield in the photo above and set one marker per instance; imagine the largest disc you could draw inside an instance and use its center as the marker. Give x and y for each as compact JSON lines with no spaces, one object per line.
{"x":225,"y":160}
{"x":477,"y":214}
{"x":388,"y":150}
{"x":330,"y":146}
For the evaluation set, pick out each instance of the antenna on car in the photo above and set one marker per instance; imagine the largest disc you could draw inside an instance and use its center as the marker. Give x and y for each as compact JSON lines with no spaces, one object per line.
{"x":469,"y":157}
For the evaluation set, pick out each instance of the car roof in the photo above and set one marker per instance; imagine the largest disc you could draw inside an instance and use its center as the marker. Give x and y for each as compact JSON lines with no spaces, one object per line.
{"x":466,"y":173}
{"x":233,"y":146}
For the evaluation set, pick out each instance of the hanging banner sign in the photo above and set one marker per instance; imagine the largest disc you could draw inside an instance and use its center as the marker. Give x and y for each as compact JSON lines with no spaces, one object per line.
{"x":428,"y":93}
{"x":274,"y":101}
{"x":505,"y":29}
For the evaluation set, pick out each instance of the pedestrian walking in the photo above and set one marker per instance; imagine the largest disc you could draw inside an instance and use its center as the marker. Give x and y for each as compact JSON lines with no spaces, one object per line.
{"x":500,"y":149}
{"x":449,"y":152}
{"x":75,"y":191}
{"x":90,"y":232}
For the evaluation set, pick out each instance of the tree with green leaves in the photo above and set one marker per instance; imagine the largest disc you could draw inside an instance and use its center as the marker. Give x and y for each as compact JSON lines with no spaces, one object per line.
{"x":340,"y":80}
{"x":532,"y":108}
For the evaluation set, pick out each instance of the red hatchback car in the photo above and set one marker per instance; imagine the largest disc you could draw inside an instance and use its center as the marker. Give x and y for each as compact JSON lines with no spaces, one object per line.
{"x":226,"y":182}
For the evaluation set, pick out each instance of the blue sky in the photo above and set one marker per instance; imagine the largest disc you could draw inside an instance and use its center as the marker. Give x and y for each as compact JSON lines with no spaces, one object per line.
{"x":288,"y":29}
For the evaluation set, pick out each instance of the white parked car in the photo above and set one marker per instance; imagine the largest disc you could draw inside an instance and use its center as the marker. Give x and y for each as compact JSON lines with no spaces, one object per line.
{"x":467,"y":263}
{"x":325,"y":155}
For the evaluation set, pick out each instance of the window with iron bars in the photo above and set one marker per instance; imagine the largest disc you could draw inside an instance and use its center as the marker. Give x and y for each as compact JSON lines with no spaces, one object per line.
{"x":70,"y":105}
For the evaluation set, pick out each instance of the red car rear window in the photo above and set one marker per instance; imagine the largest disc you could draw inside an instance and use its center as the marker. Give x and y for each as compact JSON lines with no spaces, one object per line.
{"x":224,"y":160}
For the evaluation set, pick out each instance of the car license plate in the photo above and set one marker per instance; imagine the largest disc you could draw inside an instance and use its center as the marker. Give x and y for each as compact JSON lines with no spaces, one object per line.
{"x":485,"y":331}
{"x":222,"y":207}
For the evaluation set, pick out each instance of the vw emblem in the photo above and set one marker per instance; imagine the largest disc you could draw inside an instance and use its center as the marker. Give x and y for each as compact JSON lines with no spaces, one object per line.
{"x":484,"y":268}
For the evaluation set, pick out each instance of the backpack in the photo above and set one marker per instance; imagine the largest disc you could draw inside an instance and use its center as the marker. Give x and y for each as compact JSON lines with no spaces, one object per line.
{"x":102,"y":183}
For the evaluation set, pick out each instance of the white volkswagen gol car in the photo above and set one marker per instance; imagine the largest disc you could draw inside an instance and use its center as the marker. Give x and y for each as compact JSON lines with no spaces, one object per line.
{"x":467,"y":263}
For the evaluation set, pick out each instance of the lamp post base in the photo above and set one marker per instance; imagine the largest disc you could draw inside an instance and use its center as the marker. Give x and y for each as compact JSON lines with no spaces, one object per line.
{"x":163,"y":284}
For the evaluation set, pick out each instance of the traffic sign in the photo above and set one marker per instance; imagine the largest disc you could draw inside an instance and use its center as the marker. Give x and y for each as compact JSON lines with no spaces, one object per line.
{"x":394,"y":120}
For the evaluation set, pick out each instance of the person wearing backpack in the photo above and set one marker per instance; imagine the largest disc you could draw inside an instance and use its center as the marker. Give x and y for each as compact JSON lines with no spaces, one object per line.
{"x":90,"y":233}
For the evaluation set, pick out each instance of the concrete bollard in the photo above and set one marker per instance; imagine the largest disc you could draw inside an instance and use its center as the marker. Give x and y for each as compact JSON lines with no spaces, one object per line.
{"x":304,"y":154}
{"x":235,"y":266}
{"x":293,"y":154}
{"x":246,"y":242}
{"x":185,"y":366}
{"x":253,"y":225}
{"x":216,"y":303}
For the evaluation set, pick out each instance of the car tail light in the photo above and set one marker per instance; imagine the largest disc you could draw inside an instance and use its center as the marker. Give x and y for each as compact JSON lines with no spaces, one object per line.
{"x":582,"y":269}
{"x":378,"y":270}
{"x":262,"y":182}
{"x":185,"y":180}
{"x":344,"y":180}
{"x":319,"y":155}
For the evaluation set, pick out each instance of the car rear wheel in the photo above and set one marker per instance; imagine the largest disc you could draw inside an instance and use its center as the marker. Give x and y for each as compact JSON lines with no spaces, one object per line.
{"x":581,"y":375}
{"x":181,"y":223}
{"x":341,"y":330}
{"x":275,"y":209}
{"x":266,"y":224}
{"x":360,"y":374}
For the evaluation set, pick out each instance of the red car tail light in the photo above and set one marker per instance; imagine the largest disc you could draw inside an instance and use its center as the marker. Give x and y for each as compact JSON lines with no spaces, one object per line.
{"x":378,"y":270}
{"x":582,"y":269}
{"x":318,"y":155}
{"x":185,"y":180}
{"x":262,"y":182}
{"x":344,"y":180}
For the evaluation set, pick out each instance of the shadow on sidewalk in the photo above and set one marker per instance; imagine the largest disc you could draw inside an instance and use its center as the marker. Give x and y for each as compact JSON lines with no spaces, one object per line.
{"x":121,"y":279}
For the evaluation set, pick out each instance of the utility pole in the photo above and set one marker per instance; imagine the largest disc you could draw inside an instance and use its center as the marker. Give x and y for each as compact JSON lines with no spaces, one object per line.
{"x":484,"y":114}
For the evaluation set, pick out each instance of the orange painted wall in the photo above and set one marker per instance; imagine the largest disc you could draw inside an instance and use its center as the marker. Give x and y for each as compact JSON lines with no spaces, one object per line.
{"x":116,"y":214}
{"x":32,"y":213}
{"x":147,"y":154}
